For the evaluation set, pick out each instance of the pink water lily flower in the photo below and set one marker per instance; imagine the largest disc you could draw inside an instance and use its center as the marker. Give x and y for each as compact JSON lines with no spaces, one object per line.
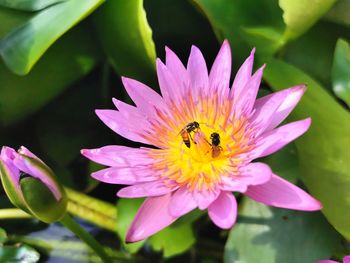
{"x":206,"y":136}
{"x":346,"y":259}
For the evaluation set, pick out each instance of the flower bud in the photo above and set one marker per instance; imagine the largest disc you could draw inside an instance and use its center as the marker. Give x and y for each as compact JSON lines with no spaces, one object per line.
{"x":31,"y":185}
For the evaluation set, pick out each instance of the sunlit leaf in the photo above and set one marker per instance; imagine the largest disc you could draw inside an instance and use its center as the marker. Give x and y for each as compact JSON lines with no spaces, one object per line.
{"x":323,"y":151}
{"x":70,"y":58}
{"x":28,"y":5}
{"x":22,"y":47}
{"x":341,"y":71}
{"x":272,"y":235}
{"x":300,"y":15}
{"x":127,"y":38}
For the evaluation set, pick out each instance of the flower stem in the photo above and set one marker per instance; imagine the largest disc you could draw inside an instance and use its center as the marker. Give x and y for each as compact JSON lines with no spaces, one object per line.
{"x":13,"y":213}
{"x":68,"y":222}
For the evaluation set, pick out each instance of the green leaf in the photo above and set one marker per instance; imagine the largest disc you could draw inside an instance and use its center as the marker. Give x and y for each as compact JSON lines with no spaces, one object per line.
{"x":318,"y":43}
{"x":246,"y":24}
{"x":285,"y":163}
{"x":323,"y":151}
{"x":300,"y":15}
{"x":127,"y":209}
{"x":173,"y":240}
{"x":341,"y":71}
{"x":28,"y":5}
{"x":3,"y":236}
{"x":127,"y":38}
{"x":21,"y":96}
{"x":11,"y":19}
{"x":22,"y":47}
{"x":271,"y":235}
{"x":19,"y":254}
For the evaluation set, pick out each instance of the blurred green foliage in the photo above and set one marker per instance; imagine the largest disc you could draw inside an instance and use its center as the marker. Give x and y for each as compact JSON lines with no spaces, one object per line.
{"x":61,"y":59}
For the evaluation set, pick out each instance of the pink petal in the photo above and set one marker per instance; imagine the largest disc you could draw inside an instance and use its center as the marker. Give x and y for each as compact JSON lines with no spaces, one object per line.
{"x":251,"y":174}
{"x":128,"y":111}
{"x":220,"y":73}
{"x":38,"y":170}
{"x":166,"y":83}
{"x":242,"y":77}
{"x":130,"y":129}
{"x":274,"y":140}
{"x":327,"y":261}
{"x":124,"y":175}
{"x":281,"y":193}
{"x":223,"y":211}
{"x":120,"y":156}
{"x":346,"y":259}
{"x":178,"y":71}
{"x":204,"y":198}
{"x":198,"y":72}
{"x":181,"y":202}
{"x":153,"y":216}
{"x":143,"y":96}
{"x":245,"y":101}
{"x":155,"y":188}
{"x":7,"y":156}
{"x":267,"y":103}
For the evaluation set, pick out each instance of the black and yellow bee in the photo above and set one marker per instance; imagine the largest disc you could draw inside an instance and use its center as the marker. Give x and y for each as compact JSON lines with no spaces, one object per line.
{"x":186,"y":132}
{"x":215,"y":145}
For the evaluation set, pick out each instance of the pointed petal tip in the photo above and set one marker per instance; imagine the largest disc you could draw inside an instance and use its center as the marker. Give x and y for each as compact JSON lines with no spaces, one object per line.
{"x":132,"y":237}
{"x":252,"y":53}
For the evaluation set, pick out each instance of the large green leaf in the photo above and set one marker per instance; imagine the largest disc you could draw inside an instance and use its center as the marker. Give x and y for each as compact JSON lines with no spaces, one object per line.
{"x":246,"y":24}
{"x":259,"y":23}
{"x":28,"y":5}
{"x":341,"y":71}
{"x":323,"y":151}
{"x":22,"y":47}
{"x":70,"y":58}
{"x":272,"y":235}
{"x":127,"y":38}
{"x":300,"y":15}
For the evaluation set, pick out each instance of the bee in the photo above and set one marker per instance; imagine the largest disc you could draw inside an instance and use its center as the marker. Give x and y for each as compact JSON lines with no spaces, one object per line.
{"x":186,"y":132}
{"x":215,"y":145}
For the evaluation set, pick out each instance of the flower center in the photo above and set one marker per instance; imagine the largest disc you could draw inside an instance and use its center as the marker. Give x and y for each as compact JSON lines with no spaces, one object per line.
{"x":201,"y":141}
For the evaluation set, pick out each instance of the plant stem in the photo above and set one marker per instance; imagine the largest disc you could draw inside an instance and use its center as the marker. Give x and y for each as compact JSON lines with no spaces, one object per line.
{"x":13,"y":213}
{"x":68,"y":222}
{"x":96,"y":211}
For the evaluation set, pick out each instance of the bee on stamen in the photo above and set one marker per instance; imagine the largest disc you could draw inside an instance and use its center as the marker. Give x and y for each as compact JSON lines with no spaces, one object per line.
{"x":215,"y":145}
{"x":186,"y":132}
